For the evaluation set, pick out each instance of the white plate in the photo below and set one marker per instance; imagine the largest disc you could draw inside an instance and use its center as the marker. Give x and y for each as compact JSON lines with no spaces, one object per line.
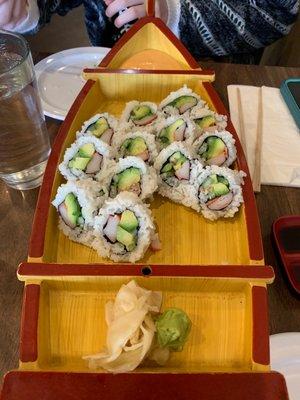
{"x":285,"y":358}
{"x":59,"y":77}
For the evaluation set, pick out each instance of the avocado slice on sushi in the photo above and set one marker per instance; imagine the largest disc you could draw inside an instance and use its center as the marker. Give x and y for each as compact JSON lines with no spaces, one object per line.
{"x":70,"y":211}
{"x":210,"y":181}
{"x":223,"y":180}
{"x":173,"y":132}
{"x":128,"y":221}
{"x":87,"y":150}
{"x":87,"y":159}
{"x":142,"y":115}
{"x":138,"y":146}
{"x":134,"y":147}
{"x":205,"y":122}
{"x":127,"y":180}
{"x":140,"y":112}
{"x":178,"y":166}
{"x":126,"y":238}
{"x":177,"y":159}
{"x":218,"y":192}
{"x":219,"y":189}
{"x":184,"y":103}
{"x":79,"y":163}
{"x":99,"y":127}
{"x":213,"y":151}
{"x":167,"y":167}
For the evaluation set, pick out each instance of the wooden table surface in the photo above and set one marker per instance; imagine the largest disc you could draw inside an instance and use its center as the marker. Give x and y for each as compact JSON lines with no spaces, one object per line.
{"x":17,"y":209}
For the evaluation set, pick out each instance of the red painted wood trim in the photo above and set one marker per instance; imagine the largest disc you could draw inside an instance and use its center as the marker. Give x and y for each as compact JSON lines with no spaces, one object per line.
{"x":206,"y":72}
{"x":151,"y":8}
{"x":37,"y":239}
{"x":29,"y":323}
{"x":163,"y":28}
{"x":222,"y":271}
{"x":29,"y":385}
{"x":260,"y":350}
{"x":252,"y":220}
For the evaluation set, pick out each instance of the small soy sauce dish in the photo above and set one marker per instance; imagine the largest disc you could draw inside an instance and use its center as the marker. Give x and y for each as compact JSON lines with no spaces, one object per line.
{"x":286,"y":231}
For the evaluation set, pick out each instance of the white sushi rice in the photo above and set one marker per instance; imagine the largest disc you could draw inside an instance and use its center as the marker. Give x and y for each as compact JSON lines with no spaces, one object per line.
{"x":235,"y":180}
{"x":201,"y":112}
{"x":90,"y":196}
{"x":124,"y":201}
{"x":148,"y":138}
{"x":127,"y":125}
{"x":183,"y":192}
{"x":112,"y":122}
{"x":164,"y":123}
{"x":226,"y":137}
{"x":102,"y":148}
{"x":148,"y":175}
{"x":184,"y":91}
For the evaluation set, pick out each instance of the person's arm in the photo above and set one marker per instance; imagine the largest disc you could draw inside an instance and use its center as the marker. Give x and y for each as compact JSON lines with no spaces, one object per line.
{"x":126,"y":11}
{"x":27,"y":16}
{"x":227,"y":27}
{"x":18,"y":15}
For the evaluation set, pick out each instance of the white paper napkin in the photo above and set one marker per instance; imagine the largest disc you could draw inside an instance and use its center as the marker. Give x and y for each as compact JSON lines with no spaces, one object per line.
{"x":280,"y":153}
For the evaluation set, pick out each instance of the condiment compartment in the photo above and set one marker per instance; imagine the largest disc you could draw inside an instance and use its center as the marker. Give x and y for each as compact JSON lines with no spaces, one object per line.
{"x":63,"y":315}
{"x":187,"y":237}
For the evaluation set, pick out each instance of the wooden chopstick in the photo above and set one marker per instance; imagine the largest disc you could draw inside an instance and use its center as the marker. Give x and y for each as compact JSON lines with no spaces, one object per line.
{"x":241,"y":122}
{"x":256,"y":179}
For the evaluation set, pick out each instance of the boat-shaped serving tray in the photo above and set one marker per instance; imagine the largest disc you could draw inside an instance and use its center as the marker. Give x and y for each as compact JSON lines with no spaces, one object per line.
{"x":187,"y":238}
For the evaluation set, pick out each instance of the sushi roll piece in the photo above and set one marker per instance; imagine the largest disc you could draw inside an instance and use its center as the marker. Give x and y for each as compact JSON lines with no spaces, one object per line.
{"x":181,"y":102}
{"x":102,"y":126}
{"x":219,"y":192}
{"x":137,"y":144}
{"x":88,"y":157}
{"x":216,"y":148}
{"x":137,"y":115}
{"x":206,"y":120}
{"x":174,"y":129}
{"x":124,"y":228}
{"x":177,"y":168}
{"x":131,"y":174}
{"x":77,"y":203}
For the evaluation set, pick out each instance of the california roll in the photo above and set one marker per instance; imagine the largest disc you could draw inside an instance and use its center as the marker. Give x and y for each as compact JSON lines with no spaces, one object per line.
{"x":206,"y":120}
{"x":88,"y":157}
{"x":132,"y":174}
{"x":216,"y":148}
{"x":174,"y":129}
{"x":177,"y":168}
{"x":137,"y":115}
{"x":102,"y":126}
{"x":77,"y":204}
{"x":181,"y":102}
{"x":220,"y":192}
{"x":123,"y":228}
{"x":137,"y":144}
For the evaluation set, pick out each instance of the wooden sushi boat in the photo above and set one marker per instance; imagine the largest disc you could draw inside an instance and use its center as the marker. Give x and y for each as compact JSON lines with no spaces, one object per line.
{"x":214,"y":271}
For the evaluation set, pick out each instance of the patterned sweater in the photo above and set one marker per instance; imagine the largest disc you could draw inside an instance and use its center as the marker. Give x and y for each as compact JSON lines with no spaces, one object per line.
{"x":208,"y":28}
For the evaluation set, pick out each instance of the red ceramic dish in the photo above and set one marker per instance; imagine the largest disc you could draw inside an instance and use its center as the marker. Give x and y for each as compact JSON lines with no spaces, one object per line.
{"x":286,"y":231}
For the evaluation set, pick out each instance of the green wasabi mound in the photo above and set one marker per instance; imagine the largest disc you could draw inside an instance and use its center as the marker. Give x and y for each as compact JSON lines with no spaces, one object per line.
{"x":173,"y":328}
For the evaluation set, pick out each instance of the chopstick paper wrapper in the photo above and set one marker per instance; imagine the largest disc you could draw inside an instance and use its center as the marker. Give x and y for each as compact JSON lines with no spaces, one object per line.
{"x":272,"y":141}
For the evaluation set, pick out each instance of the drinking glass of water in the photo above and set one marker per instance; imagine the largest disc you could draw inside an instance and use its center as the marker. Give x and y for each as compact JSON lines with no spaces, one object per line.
{"x":24,"y":141}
